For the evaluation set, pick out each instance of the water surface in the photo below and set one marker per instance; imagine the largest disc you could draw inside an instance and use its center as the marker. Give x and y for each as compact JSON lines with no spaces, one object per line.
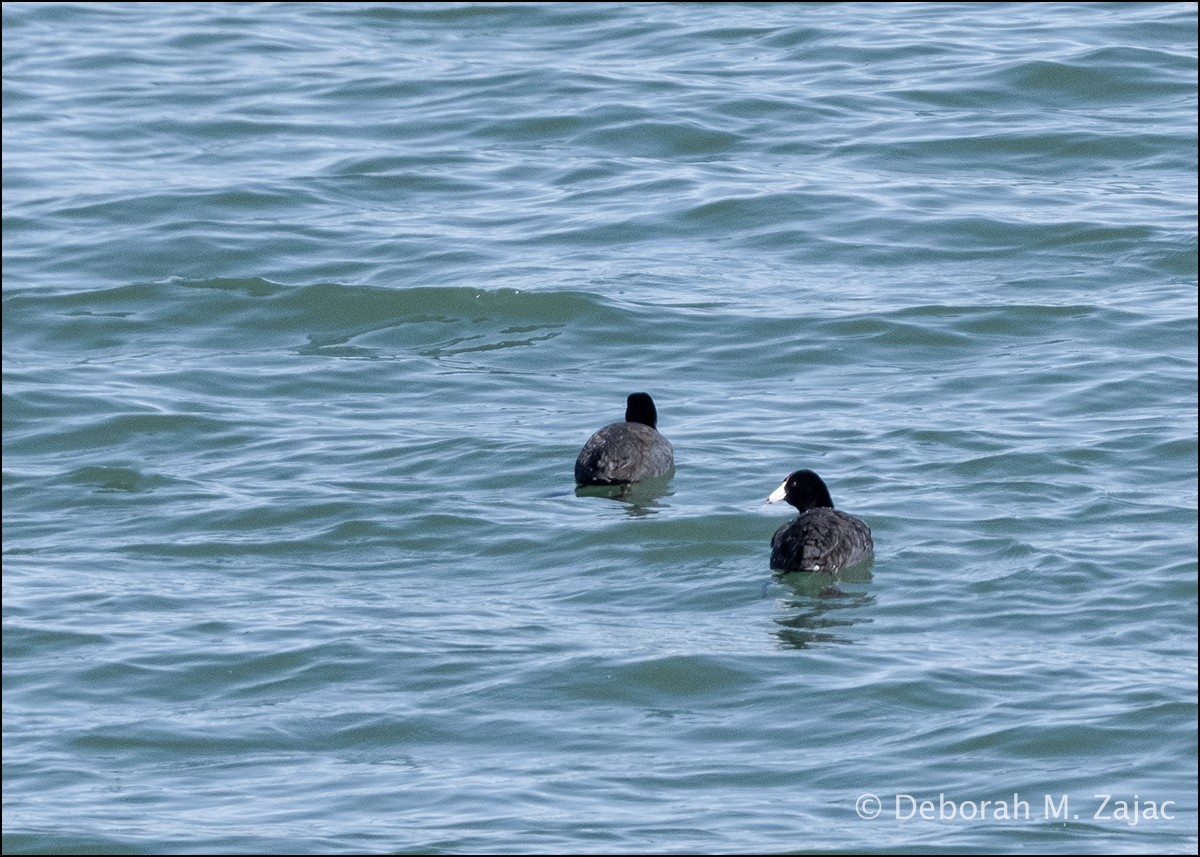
{"x":308,"y":309}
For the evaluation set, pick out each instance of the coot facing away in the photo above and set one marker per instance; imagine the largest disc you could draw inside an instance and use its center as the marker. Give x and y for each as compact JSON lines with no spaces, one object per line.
{"x":625,"y":452}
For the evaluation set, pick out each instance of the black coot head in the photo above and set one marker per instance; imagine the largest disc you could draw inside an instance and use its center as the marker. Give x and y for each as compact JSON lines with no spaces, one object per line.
{"x":639,"y":408}
{"x":803,"y":489}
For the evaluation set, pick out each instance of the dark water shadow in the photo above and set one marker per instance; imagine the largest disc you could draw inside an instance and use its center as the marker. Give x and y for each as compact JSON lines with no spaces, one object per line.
{"x":821,"y":608}
{"x":640,"y":498}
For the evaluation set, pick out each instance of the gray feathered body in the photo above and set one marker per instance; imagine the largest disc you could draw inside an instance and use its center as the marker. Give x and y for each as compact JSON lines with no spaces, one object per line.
{"x":624,"y":452}
{"x":821,"y":539}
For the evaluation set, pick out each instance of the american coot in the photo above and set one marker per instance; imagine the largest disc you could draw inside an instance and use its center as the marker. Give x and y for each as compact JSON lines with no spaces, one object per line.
{"x":822,"y":538}
{"x":626,"y":452}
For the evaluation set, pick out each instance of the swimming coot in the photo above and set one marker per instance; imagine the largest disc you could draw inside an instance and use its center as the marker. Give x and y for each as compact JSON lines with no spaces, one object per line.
{"x":626,"y":452}
{"x":822,"y":538}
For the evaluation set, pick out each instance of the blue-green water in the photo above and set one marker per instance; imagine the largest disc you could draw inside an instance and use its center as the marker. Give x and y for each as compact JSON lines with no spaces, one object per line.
{"x":309,"y":307}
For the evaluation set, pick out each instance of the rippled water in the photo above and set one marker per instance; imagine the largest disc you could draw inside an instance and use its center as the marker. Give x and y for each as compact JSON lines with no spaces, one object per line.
{"x":309,"y":307}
